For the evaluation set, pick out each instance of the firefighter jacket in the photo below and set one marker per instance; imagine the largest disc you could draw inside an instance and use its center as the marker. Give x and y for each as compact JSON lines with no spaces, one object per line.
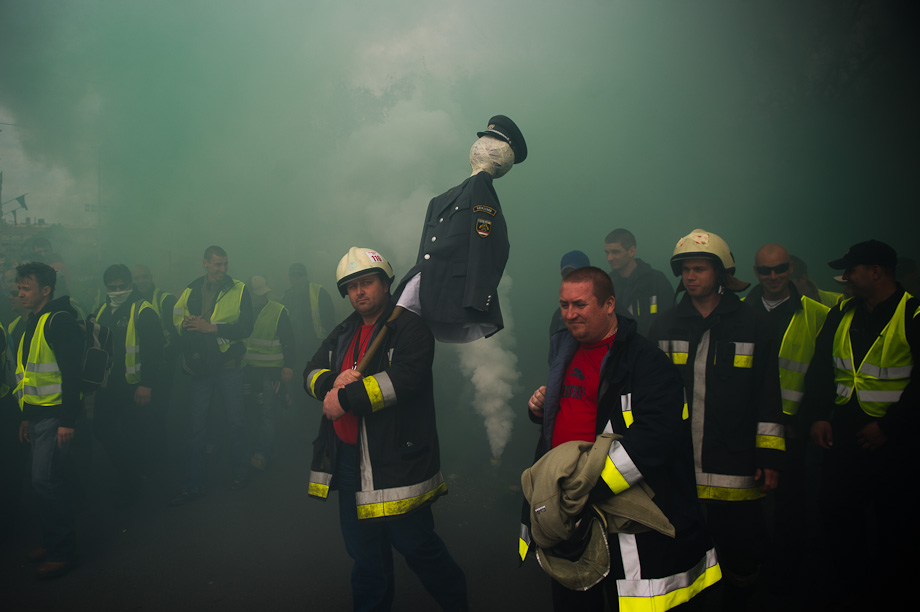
{"x":461,"y":258}
{"x":137,"y":341}
{"x":800,"y":321}
{"x":643,"y":295}
{"x":231,"y":312}
{"x":728,"y":362}
{"x":640,"y":398}
{"x":398,"y":452}
{"x":49,"y":363}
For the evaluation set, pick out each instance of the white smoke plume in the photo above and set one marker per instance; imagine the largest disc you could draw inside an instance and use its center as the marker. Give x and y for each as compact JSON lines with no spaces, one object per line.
{"x":491,"y":366}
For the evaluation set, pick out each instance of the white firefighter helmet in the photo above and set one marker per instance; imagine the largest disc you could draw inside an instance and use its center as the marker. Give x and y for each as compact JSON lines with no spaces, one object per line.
{"x":700,"y":244}
{"x":359,"y":261}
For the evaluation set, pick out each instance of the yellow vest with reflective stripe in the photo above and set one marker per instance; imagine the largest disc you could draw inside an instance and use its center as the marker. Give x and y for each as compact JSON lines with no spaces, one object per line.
{"x":314,"y":310}
{"x":884,"y":371}
{"x":226,"y":310}
{"x":796,"y":351}
{"x":263,"y":347}
{"x":132,"y":348}
{"x":38,"y":382}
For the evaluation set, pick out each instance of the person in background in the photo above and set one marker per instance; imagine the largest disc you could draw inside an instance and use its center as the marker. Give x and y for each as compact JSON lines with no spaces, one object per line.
{"x":213,"y":316}
{"x":862,"y":399}
{"x":644,"y":292}
{"x":799,"y":277}
{"x":269,"y":361}
{"x":796,"y":320}
{"x":122,"y":417}
{"x":378,"y":440}
{"x":726,"y":354}
{"x":48,"y":368}
{"x":570,"y":261}
{"x":311,"y":311}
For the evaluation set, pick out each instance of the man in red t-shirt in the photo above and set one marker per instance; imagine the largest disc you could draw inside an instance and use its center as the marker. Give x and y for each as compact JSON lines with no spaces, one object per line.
{"x":605,"y":377}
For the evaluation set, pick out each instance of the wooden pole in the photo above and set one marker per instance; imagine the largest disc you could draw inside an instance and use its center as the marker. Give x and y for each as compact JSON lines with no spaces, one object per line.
{"x":378,"y":341}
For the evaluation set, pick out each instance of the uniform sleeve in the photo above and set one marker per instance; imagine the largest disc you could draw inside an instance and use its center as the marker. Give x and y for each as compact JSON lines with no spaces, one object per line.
{"x":66,"y":338}
{"x":818,"y":401}
{"x":655,"y":406}
{"x":769,"y":440}
{"x":488,"y":245}
{"x":406,"y":375}
{"x":286,"y":337}
{"x":318,"y":377}
{"x":151,"y":339}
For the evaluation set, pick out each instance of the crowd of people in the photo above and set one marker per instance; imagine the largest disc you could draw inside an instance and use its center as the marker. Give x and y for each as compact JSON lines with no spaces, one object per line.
{"x":679,"y":431}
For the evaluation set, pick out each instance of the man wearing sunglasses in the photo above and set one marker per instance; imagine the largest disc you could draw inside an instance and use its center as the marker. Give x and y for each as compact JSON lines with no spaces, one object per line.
{"x":796,"y":321}
{"x":862,"y":397}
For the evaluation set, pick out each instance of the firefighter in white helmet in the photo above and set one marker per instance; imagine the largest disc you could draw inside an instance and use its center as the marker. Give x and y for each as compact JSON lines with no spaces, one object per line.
{"x":727,"y":355}
{"x":378,"y":443}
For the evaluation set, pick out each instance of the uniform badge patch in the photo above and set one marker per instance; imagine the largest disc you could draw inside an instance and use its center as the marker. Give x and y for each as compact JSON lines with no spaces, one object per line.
{"x":482,"y":208}
{"x":483,"y":227}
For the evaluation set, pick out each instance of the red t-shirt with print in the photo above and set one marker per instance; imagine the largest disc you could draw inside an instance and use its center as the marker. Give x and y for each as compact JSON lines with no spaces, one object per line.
{"x":577,"y":417}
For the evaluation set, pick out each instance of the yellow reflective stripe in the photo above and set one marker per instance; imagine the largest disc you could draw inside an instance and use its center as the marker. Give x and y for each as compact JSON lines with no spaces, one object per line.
{"x":318,"y":490}
{"x":653,"y":304}
{"x":744,"y":361}
{"x":314,"y":375}
{"x":613,"y":477}
{"x":523,"y":547}
{"x":685,"y":414}
{"x":728,"y":494}
{"x":679,"y":358}
{"x":626,"y":409}
{"x":707,"y":572}
{"x":374,"y":394}
{"x":772,"y":442}
{"x":397,"y":506}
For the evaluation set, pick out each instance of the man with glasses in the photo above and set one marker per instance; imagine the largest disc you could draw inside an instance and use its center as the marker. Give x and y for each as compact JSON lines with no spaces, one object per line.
{"x":796,"y":321}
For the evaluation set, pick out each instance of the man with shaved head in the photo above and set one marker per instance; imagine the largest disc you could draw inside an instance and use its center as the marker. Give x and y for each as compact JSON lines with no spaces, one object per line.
{"x":796,"y":319}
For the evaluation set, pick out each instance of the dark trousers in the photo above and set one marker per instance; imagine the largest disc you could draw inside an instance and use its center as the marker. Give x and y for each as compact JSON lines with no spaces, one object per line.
{"x":370,"y":545}
{"x":227,"y":386}
{"x":51,"y":466}
{"x":119,"y":426}
{"x":13,"y":458}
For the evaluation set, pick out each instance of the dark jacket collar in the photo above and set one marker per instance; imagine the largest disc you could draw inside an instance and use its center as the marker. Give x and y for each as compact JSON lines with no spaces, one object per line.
{"x":755,"y":297}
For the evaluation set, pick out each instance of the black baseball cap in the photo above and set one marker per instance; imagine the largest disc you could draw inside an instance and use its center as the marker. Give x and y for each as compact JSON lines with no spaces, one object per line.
{"x":503,"y":128}
{"x":870,"y":253}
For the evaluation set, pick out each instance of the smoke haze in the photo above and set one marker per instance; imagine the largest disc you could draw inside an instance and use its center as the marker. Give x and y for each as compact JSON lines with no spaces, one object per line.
{"x":288,"y":131}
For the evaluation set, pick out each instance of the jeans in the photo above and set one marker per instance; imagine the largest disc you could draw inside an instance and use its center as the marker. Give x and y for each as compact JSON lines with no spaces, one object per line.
{"x":370,"y":544}
{"x":227,"y":385}
{"x":51,"y":466}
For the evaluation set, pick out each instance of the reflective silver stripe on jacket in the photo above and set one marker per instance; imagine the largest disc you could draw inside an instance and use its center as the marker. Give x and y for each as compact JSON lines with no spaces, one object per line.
{"x":744,"y":348}
{"x":879,"y":396}
{"x":770,"y":429}
{"x":635,"y":586}
{"x":624,"y":463}
{"x":42,"y":367}
{"x":892,"y":373}
{"x":725,"y":481}
{"x":43,"y":390}
{"x":792,"y":396}
{"x":793,"y":366}
{"x":843,"y":363}
{"x":260,"y":342}
{"x":382,"y":496}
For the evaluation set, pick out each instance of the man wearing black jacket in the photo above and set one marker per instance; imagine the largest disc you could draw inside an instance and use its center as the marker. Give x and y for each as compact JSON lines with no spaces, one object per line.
{"x":378,"y":440}
{"x":48,"y":365}
{"x":213,"y":316}
{"x":606,"y":378}
{"x":643,"y":292}
{"x":121,"y":418}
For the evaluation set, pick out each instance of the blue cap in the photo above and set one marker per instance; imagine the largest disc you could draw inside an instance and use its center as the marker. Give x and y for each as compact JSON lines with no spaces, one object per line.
{"x":573,"y":259}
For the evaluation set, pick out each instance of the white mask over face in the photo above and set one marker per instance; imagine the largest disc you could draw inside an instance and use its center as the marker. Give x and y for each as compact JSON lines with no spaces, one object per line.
{"x":491,"y":155}
{"x":117,"y":298}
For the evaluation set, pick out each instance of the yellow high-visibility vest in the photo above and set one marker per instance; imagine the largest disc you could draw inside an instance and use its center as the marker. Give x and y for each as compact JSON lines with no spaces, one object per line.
{"x":38,"y":381}
{"x":314,"y":311}
{"x":885,"y":370}
{"x":132,"y":348}
{"x":796,"y":351}
{"x":226,"y":310}
{"x":263,"y":347}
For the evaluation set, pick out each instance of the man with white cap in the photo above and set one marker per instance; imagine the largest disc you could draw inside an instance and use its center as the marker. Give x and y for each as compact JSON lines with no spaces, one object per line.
{"x":378,"y":440}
